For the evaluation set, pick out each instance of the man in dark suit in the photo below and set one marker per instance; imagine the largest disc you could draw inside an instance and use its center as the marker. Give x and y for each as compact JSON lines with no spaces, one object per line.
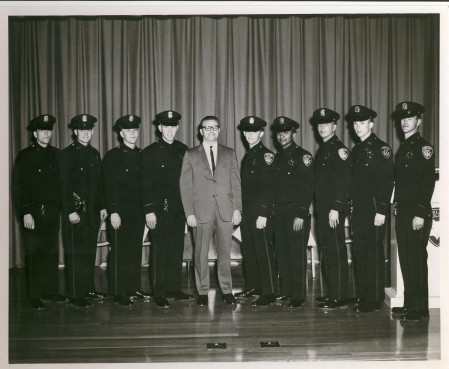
{"x":121,"y":169}
{"x":83,"y":209}
{"x":164,"y":215}
{"x":36,"y":194}
{"x":414,"y":185}
{"x":211,"y":196}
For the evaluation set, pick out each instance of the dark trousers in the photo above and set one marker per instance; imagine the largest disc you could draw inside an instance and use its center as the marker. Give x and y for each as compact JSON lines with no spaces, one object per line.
{"x":42,"y":252}
{"x":334,"y":255}
{"x":125,"y":257}
{"x":369,"y":255}
{"x":291,"y":248}
{"x":167,"y":250}
{"x":257,"y":252}
{"x":80,"y":247}
{"x":412,"y":250}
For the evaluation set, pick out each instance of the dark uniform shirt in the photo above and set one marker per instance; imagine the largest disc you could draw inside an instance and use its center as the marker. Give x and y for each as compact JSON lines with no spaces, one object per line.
{"x":121,"y":167}
{"x":259,"y":178}
{"x":161,"y":169}
{"x":295,"y":178}
{"x":415,"y":174}
{"x":372,"y":172}
{"x":333,"y":175}
{"x":81,"y":177}
{"x":36,"y":178}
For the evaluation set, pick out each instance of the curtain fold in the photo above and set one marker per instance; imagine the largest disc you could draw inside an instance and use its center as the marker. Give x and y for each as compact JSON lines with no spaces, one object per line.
{"x":229,"y":66}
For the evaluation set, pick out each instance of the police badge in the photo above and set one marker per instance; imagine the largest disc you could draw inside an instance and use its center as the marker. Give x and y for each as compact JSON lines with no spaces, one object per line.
{"x":268,"y":157}
{"x":427,"y":152}
{"x":386,"y":151}
{"x":307,"y":159}
{"x":343,"y":153}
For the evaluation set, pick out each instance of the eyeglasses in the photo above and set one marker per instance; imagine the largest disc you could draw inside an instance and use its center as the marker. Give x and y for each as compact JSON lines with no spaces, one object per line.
{"x":211,"y":128}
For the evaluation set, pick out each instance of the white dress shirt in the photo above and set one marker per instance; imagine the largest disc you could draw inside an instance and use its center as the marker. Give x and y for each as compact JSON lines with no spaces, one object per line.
{"x":206,"y":147}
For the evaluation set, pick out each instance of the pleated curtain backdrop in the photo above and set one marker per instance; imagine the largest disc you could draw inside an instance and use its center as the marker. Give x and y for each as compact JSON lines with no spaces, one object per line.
{"x":229,"y":66}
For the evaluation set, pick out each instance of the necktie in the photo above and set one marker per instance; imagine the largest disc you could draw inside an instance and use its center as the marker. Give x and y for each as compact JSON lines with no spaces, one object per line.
{"x":212,"y":159}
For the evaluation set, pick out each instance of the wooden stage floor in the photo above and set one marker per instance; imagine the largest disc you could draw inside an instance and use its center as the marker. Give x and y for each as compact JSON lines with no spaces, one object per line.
{"x":143,"y":333}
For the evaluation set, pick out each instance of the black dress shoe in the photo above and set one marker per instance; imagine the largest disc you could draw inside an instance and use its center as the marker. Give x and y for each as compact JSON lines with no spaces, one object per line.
{"x":265,"y":300}
{"x":122,"y":300}
{"x":399,"y":310}
{"x":284,"y":298}
{"x":354,"y":301}
{"x":321,"y":299}
{"x":202,"y":300}
{"x":161,"y":302}
{"x":248,"y":293}
{"x":37,"y":304}
{"x":229,"y":298}
{"x":179,"y":295}
{"x":80,"y":303}
{"x":333,"y":304}
{"x":368,"y":306}
{"x":415,"y":315}
{"x":140,"y":295}
{"x":95,"y":295}
{"x":296,"y":303}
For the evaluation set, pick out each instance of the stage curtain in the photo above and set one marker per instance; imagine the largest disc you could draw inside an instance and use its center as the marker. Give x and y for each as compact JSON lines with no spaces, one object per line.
{"x":229,"y":66}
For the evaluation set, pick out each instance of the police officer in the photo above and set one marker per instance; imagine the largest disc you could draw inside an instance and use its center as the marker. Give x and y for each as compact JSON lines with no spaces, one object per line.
{"x":83,"y":208}
{"x":121,"y":167}
{"x":372,"y":185}
{"x":332,"y":188}
{"x":258,"y":176}
{"x":414,"y":185}
{"x":36,"y":194}
{"x":294,"y":192}
{"x":164,"y":214}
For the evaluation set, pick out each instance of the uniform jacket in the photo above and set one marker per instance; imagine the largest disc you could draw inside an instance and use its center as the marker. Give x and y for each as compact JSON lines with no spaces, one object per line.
{"x":201,"y":191}
{"x":121,"y":167}
{"x":415,"y":174}
{"x":373,"y":172}
{"x":159,"y":175}
{"x":35,"y":178}
{"x":333,"y":175}
{"x":81,"y":174}
{"x":259,"y":179}
{"x":295,"y":179}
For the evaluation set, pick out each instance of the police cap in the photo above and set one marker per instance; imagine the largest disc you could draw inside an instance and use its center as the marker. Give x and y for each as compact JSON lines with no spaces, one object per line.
{"x":283,"y":124}
{"x":252,"y":124}
{"x":44,"y":121}
{"x":325,"y":115}
{"x":358,"y":113}
{"x":83,"y":121}
{"x":168,"y":118}
{"x":408,"y":109}
{"x":127,"y":122}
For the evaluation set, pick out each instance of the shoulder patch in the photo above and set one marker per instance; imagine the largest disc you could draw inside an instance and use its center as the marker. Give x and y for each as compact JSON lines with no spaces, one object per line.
{"x":307,"y":159}
{"x":386,"y":151}
{"x":343,"y":153}
{"x":427,"y":152}
{"x":268,"y":157}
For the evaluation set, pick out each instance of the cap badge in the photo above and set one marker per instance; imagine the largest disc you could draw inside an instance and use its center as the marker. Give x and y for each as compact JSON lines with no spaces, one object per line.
{"x":404,"y":106}
{"x":307,"y":159}
{"x":84,"y":118}
{"x":131,"y":118}
{"x":281,"y":120}
{"x":357,"y":109}
{"x":251,"y":120}
{"x":45,"y":118}
{"x":323,"y":112}
{"x":170,"y":114}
